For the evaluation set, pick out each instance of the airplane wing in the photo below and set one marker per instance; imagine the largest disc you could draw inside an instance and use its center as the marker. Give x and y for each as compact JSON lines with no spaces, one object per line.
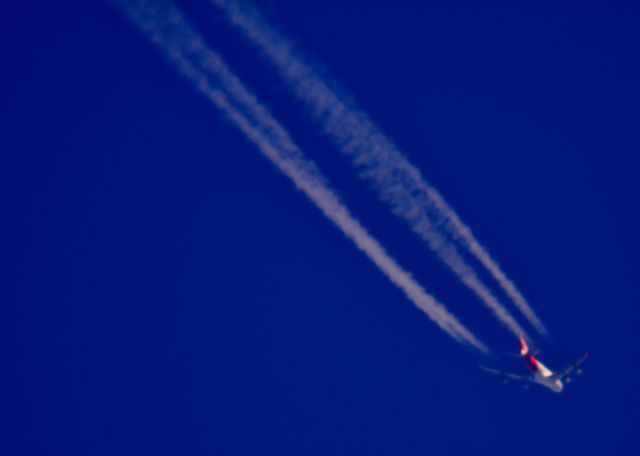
{"x":507,"y":375}
{"x":575,"y":367}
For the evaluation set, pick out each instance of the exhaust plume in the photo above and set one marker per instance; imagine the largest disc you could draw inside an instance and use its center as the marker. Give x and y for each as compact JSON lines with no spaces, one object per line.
{"x":398,"y":182}
{"x":163,"y":24}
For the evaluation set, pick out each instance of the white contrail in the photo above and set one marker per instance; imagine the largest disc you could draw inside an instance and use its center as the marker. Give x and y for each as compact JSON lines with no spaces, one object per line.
{"x":399,"y":183}
{"x":165,"y":26}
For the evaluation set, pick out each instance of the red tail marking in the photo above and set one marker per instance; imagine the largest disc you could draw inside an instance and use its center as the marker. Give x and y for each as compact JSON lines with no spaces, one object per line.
{"x":524,"y":348}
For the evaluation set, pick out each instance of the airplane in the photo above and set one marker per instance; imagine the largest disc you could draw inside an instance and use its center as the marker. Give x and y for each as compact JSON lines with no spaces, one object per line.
{"x":540,"y":374}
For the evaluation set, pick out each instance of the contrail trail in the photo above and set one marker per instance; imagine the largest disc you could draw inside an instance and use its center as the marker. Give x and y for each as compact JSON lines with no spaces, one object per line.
{"x":163,"y":24}
{"x":399,"y":183}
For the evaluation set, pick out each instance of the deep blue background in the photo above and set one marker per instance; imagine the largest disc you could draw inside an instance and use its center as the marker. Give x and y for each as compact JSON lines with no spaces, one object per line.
{"x":168,"y":291}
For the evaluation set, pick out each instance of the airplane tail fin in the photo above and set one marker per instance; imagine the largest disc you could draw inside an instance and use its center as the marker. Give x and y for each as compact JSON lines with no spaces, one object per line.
{"x":524,"y":348}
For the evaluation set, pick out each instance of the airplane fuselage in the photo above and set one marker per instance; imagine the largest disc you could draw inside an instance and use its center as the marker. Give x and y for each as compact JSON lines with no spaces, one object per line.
{"x":542,"y":375}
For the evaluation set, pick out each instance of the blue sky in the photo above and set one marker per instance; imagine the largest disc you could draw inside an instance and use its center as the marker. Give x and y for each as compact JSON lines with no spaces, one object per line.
{"x":169,"y":292}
